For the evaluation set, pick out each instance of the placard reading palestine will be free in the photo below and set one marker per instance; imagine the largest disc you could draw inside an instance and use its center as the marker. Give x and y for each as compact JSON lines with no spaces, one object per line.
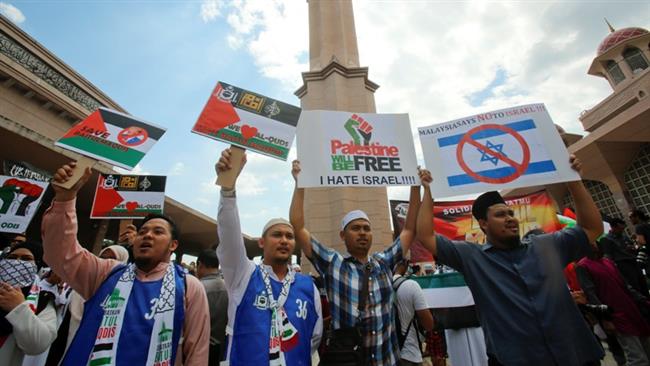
{"x":249,"y":120}
{"x":113,"y":137}
{"x":341,"y":149}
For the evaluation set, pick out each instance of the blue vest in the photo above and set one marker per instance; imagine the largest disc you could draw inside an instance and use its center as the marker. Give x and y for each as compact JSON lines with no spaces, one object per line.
{"x":133,"y":344}
{"x":252,"y":328}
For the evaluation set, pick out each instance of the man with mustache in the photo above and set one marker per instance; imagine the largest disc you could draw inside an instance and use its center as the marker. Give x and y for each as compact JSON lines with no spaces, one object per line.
{"x":525,"y":308}
{"x":347,"y":275}
{"x":274,"y":313}
{"x":144,"y":313}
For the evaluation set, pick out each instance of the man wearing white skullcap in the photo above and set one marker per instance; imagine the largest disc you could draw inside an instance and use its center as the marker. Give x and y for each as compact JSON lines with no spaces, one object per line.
{"x":358,"y":284}
{"x":274,"y":313}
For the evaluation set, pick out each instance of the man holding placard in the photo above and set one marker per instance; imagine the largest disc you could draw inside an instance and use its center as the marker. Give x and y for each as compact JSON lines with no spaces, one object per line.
{"x":527,"y":312}
{"x":274,"y":313}
{"x":358,"y":284}
{"x":145,"y":313}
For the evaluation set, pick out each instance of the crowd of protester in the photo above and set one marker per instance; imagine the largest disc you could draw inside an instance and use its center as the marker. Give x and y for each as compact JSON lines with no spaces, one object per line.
{"x":557,"y":298}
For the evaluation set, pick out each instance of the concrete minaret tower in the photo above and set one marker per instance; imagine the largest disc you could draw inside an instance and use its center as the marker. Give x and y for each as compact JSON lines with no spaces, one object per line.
{"x":336,"y":82}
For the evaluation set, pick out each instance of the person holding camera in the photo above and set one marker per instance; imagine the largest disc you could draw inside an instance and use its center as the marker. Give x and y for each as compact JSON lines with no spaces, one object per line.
{"x":608,"y":293}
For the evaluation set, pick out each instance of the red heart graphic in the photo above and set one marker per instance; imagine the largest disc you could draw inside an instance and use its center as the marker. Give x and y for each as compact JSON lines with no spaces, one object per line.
{"x":248,"y":131}
{"x":132,"y":205}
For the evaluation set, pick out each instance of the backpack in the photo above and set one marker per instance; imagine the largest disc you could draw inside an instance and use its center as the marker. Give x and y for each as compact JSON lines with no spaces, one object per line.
{"x":401,"y":337}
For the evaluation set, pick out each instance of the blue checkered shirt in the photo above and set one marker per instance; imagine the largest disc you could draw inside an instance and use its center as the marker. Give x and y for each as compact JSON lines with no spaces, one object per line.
{"x":342,"y":276}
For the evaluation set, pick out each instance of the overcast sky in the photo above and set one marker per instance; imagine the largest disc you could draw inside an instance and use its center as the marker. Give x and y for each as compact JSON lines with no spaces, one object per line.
{"x":436,"y":60}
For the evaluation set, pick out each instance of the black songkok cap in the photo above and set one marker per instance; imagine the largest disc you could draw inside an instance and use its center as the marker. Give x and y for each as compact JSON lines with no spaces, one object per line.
{"x":483,"y":202}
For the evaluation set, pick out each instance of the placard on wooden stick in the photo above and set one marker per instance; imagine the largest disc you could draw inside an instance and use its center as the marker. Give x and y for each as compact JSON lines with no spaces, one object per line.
{"x":227,"y":179}
{"x":78,"y":172}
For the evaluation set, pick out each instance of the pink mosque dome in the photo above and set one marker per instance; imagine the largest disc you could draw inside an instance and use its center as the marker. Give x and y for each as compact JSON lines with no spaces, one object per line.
{"x":617,"y":37}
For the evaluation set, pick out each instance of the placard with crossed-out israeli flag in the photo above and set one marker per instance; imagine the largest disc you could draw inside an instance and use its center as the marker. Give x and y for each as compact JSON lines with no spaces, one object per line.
{"x":508,"y":148}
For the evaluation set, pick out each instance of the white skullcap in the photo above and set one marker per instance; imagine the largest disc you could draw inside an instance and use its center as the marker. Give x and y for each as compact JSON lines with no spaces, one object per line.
{"x":276,"y":221}
{"x":353,"y":215}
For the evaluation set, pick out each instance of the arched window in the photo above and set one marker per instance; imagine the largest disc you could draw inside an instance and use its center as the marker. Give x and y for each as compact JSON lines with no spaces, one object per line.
{"x":635,"y":59}
{"x":615,"y":72}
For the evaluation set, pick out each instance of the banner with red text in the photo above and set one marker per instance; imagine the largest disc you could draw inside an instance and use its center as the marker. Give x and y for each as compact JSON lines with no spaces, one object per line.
{"x":113,"y":137}
{"x":454,"y":219}
{"x":355,"y":149}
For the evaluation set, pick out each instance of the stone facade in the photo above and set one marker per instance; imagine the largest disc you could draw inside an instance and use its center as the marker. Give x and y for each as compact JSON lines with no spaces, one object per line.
{"x":336,"y":82}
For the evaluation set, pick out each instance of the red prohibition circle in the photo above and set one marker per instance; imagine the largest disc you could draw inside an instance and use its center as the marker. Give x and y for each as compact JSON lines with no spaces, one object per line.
{"x":126,"y":134}
{"x":520,"y":168}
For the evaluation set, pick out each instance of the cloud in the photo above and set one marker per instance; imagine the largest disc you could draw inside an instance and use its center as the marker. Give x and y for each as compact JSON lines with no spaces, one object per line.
{"x":211,"y":10}
{"x":137,"y":170}
{"x":177,"y":169}
{"x":13,"y":13}
{"x":250,"y":184}
{"x":274,"y":32}
{"x":450,"y":60}
{"x":208,"y":194}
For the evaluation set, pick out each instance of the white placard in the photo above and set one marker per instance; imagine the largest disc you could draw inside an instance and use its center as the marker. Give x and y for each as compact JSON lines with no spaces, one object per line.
{"x":355,"y":149}
{"x":19,"y":201}
{"x":504,"y":149}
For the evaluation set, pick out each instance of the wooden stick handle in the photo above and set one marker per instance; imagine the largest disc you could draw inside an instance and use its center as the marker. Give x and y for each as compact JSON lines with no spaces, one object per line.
{"x":228,"y":178}
{"x":78,"y":172}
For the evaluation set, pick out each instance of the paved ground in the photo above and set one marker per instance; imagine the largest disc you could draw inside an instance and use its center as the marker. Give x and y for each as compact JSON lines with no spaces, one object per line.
{"x":608,"y":361}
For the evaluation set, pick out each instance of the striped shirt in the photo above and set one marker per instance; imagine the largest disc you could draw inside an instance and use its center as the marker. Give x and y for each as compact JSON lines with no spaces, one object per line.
{"x":342,"y":276}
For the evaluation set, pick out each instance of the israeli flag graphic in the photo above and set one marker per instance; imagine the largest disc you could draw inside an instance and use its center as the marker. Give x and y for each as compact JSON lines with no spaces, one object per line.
{"x":504,"y":149}
{"x":494,"y":155}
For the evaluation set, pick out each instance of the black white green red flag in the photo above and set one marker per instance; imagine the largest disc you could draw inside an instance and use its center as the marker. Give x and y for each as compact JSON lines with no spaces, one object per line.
{"x":113,"y":137}
{"x":128,"y":196}
{"x":249,"y":120}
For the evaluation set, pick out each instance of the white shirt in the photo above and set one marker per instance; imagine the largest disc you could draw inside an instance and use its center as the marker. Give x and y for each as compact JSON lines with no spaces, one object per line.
{"x":410,"y":299}
{"x":237,"y":268}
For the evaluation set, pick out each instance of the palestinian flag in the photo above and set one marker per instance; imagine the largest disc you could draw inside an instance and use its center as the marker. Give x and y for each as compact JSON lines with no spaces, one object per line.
{"x":128,"y":196}
{"x":445,"y":290}
{"x":252,"y":121}
{"x":567,"y":221}
{"x":113,"y":137}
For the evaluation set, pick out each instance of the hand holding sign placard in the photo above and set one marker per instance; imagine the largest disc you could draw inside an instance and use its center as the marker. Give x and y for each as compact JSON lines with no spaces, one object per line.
{"x":355,"y":149}
{"x":509,"y":148}
{"x":68,"y":180}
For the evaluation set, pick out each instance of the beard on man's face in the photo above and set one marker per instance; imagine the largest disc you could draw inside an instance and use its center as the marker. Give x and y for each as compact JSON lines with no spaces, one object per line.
{"x":511,"y":242}
{"x":146,"y":261}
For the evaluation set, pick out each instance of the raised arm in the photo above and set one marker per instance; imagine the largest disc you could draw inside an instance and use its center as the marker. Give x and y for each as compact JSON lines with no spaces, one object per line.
{"x":588,"y":216}
{"x":408,"y":232}
{"x":425,"y":233}
{"x":231,"y":251}
{"x":82,"y":270}
{"x":297,"y":213}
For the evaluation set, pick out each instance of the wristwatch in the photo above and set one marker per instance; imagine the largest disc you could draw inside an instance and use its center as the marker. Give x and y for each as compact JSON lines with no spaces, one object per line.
{"x":228,"y":193}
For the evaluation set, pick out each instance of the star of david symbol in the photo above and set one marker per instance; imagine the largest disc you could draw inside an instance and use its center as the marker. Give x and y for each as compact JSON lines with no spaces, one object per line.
{"x":494,"y":147}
